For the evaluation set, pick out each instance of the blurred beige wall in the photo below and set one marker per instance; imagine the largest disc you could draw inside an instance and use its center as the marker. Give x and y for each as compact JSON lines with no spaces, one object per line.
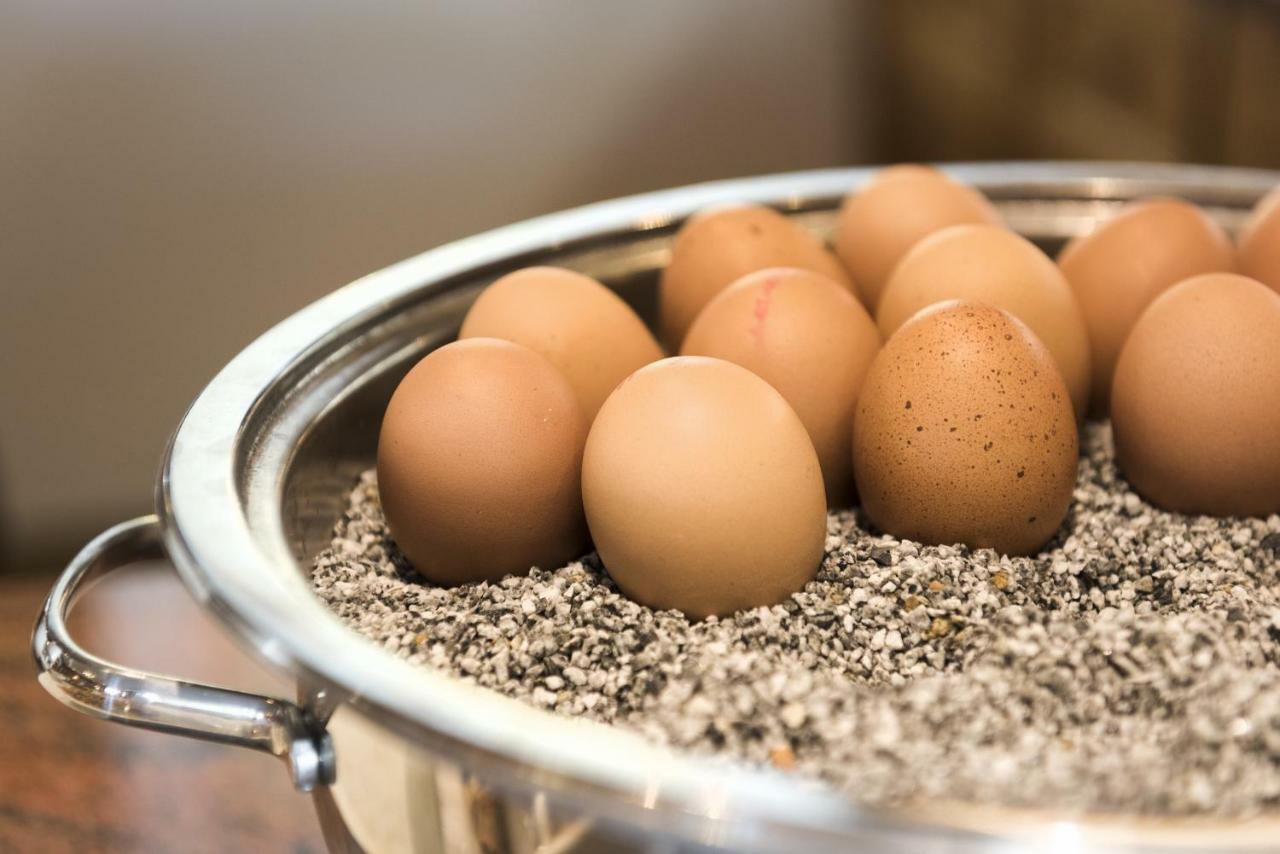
{"x":175,"y":178}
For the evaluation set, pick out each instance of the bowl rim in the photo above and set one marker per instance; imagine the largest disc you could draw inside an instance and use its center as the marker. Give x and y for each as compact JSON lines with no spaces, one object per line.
{"x":242,"y":570}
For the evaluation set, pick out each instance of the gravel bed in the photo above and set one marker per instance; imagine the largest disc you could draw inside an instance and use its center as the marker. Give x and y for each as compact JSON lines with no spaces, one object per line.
{"x":1134,"y":665}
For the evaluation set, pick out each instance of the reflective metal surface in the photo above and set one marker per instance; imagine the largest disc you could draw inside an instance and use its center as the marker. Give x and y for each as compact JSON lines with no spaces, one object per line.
{"x":257,"y":474}
{"x":99,"y":688}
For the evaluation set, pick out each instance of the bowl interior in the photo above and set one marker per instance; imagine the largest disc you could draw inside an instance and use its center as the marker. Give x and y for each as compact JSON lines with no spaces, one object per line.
{"x":300,"y":410}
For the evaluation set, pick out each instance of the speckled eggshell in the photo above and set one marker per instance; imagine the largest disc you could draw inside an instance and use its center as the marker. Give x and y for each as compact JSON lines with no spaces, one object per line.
{"x":479,"y":463}
{"x":717,"y":247}
{"x":1195,"y":408}
{"x":582,"y":327}
{"x":880,"y":222}
{"x":987,"y":263}
{"x":965,"y":434}
{"x":702,"y":490}
{"x":1258,"y":249}
{"x":1118,"y":269}
{"x":807,"y":337}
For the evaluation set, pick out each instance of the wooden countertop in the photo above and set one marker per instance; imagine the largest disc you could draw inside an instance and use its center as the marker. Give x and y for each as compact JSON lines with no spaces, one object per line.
{"x":73,"y":783}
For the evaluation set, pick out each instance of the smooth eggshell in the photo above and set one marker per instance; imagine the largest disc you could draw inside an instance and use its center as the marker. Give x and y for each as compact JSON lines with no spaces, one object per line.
{"x":1258,"y":249}
{"x":479,"y":462}
{"x":716,"y":248}
{"x":702,"y":490}
{"x":986,"y":263}
{"x":965,"y":434}
{"x":807,"y":337}
{"x":1118,"y":269}
{"x":1196,"y":403}
{"x":582,"y":327}
{"x":880,"y":222}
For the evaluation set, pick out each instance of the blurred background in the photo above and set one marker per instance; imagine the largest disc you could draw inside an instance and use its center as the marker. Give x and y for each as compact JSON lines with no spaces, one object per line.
{"x":176,"y":178}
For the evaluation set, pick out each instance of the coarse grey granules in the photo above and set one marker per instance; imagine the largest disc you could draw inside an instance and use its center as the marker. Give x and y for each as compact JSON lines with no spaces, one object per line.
{"x":1134,"y":665}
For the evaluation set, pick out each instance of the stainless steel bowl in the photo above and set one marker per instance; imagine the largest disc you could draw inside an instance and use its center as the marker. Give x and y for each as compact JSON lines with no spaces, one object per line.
{"x":257,"y":473}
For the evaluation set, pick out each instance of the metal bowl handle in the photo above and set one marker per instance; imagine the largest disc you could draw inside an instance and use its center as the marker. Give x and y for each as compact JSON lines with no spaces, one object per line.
{"x":99,"y":688}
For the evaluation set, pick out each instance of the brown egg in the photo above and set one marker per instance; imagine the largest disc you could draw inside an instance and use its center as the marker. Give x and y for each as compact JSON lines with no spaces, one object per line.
{"x":1258,"y":253}
{"x":582,"y":327}
{"x":1117,"y":270}
{"x":879,"y":223}
{"x":479,"y":461}
{"x":716,"y":248}
{"x":702,"y":489}
{"x":986,"y":263}
{"x":1196,"y":401}
{"x":964,"y":433}
{"x":807,"y":337}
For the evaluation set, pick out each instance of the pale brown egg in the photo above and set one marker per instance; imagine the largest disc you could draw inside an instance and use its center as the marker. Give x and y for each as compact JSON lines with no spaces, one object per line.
{"x":1258,"y":249}
{"x":1117,"y":270}
{"x":582,"y":327}
{"x":479,"y":463}
{"x":986,"y":263}
{"x":702,"y":490}
{"x":1196,"y":403}
{"x":716,"y":248}
{"x":807,"y":337}
{"x":964,"y":433}
{"x":879,"y":223}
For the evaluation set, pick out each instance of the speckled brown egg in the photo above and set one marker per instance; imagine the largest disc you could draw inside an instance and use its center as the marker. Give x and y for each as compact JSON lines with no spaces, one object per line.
{"x":716,"y":248}
{"x":702,"y":489}
{"x":1258,"y":249}
{"x":1196,"y":403}
{"x":1118,"y":269}
{"x":582,"y":327}
{"x":807,"y":337}
{"x":964,"y":433}
{"x":880,"y":222}
{"x":986,"y":263}
{"x":479,"y":462}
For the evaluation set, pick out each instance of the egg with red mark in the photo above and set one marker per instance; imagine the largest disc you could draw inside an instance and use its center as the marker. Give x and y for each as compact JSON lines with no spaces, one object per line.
{"x":810,"y":339}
